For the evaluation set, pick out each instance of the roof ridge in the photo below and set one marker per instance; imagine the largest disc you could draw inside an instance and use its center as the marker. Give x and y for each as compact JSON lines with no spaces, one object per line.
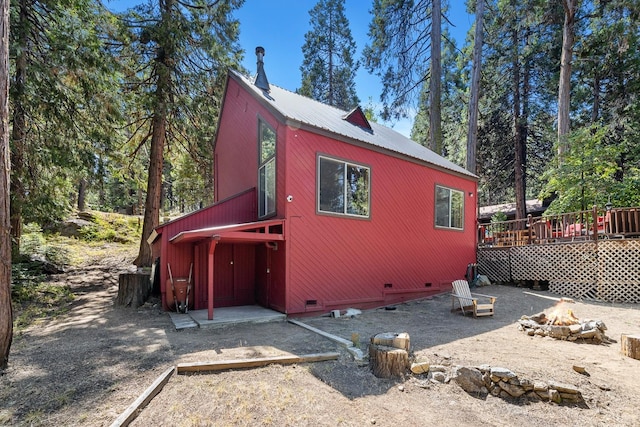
{"x":324,"y":117}
{"x":252,"y":77}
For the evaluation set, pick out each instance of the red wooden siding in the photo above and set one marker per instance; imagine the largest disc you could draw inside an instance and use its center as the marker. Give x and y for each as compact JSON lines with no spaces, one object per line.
{"x":325,"y":261}
{"x":236,"y":152}
{"x":236,"y":149}
{"x":241,"y":208}
{"x":340,"y":261}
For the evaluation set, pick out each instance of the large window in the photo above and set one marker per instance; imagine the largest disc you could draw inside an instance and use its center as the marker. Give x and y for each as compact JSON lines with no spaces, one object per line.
{"x":449,"y":208}
{"x":343,"y":188}
{"x":267,"y":170}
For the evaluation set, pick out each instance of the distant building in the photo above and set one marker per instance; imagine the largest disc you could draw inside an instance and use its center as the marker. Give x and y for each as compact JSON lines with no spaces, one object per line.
{"x":534,"y":207}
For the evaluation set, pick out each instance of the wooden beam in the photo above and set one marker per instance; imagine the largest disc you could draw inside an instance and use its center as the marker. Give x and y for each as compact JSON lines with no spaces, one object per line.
{"x":143,"y":400}
{"x":222,"y":365}
{"x":564,"y":299}
{"x":248,"y":237}
{"x":334,"y":338}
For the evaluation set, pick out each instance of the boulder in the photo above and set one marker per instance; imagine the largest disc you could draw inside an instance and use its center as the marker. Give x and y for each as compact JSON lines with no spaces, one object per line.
{"x":470,"y":380}
{"x":72,"y":227}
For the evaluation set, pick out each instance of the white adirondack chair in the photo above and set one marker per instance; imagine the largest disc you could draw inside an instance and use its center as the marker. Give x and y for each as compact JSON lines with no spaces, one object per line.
{"x":468,"y":302}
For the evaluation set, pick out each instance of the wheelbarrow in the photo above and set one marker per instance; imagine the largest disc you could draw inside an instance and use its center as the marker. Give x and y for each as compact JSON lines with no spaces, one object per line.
{"x":180,"y":289}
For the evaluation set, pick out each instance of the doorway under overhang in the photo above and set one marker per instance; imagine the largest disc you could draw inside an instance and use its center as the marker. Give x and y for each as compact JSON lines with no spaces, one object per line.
{"x":215,"y":250}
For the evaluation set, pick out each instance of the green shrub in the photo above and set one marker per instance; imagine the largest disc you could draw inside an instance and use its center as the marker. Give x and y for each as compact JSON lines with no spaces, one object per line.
{"x":34,"y":300}
{"x":32,"y":240}
{"x":112,"y":228}
{"x":58,"y":254}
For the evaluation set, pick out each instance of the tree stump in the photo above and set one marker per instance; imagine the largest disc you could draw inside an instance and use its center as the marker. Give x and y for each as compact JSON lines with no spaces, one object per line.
{"x":630,"y":346}
{"x":389,"y":355}
{"x":133,"y":289}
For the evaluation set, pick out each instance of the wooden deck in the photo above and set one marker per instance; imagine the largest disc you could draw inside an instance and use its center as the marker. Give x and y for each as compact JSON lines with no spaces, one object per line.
{"x":593,"y":255}
{"x":581,"y":226}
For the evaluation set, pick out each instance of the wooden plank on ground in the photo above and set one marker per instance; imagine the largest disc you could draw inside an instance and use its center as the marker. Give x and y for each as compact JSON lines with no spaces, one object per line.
{"x":565,"y":299}
{"x":341,"y":341}
{"x":143,"y":400}
{"x":221,"y":365}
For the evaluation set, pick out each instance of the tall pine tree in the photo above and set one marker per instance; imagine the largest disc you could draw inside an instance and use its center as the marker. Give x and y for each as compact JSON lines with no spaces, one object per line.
{"x":64,"y":99}
{"x":601,"y":154}
{"x":180,"y":52}
{"x":521,"y":51}
{"x":328,"y":69}
{"x":405,"y":52}
{"x":6,"y":314}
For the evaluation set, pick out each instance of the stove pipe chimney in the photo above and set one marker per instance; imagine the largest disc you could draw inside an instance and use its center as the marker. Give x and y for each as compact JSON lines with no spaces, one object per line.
{"x":261,"y":78}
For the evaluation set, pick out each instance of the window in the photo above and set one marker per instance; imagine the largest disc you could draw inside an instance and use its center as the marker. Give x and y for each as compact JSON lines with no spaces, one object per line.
{"x":266,"y":170}
{"x":343,"y":188}
{"x":449,"y":208}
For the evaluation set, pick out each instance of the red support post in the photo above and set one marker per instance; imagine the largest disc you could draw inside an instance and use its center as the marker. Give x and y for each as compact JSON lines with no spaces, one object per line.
{"x":212,"y":247}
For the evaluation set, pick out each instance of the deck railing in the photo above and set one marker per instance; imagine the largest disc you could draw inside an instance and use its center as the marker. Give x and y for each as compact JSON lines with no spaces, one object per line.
{"x":587,"y":225}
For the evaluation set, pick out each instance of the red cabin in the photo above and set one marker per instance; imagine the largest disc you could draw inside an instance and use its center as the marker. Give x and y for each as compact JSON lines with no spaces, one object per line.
{"x":318,"y":209}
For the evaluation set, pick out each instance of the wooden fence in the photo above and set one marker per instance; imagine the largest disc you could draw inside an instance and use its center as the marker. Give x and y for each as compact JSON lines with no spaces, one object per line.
{"x":591,"y":225}
{"x":603,"y":270}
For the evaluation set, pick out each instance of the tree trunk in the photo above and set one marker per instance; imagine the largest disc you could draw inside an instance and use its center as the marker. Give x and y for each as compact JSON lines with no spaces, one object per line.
{"x":388,"y":362}
{"x":19,"y":131}
{"x":6,"y":312}
{"x":158,"y":138}
{"x":518,"y":163}
{"x":133,"y":289}
{"x":564,"y":87}
{"x":472,"y":136}
{"x":630,"y":346}
{"x":82,"y":192}
{"x":154,"y":190}
{"x":435,"y":82}
{"x":389,"y":354}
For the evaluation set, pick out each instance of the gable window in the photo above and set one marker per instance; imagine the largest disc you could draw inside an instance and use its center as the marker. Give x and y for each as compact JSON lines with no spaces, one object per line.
{"x":266,"y":170}
{"x":343,"y":187}
{"x":449,"y":208}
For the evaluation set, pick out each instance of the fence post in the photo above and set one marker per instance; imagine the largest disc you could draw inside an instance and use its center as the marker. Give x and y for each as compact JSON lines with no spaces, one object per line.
{"x":594,"y":212}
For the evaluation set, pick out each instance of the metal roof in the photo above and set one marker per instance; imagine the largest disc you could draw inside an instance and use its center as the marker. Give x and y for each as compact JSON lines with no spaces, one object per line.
{"x":330,"y":119}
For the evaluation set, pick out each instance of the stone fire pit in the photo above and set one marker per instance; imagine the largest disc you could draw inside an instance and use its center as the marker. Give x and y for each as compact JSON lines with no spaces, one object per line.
{"x":561,"y":323}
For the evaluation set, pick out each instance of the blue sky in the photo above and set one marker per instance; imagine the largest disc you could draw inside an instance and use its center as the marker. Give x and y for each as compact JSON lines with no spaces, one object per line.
{"x":280,"y":25}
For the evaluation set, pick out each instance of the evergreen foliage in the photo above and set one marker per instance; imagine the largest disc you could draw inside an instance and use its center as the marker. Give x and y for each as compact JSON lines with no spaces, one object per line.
{"x":328,"y":69}
{"x":453,"y":105}
{"x":178,"y":54}
{"x":603,"y":157}
{"x":65,"y":103}
{"x":517,"y":104}
{"x":399,"y":53}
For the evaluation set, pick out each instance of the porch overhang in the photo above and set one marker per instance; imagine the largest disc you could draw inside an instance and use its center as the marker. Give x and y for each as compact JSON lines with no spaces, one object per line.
{"x":267,"y":232}
{"x":249,"y":232}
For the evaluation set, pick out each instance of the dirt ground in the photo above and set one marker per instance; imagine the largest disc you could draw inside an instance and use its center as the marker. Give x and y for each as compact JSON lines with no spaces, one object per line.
{"x":87,"y":367}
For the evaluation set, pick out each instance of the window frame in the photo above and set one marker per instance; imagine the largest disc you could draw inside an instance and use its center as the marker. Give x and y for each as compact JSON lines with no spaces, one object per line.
{"x":450,"y":214}
{"x":266,"y":206}
{"x":345,"y":195}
